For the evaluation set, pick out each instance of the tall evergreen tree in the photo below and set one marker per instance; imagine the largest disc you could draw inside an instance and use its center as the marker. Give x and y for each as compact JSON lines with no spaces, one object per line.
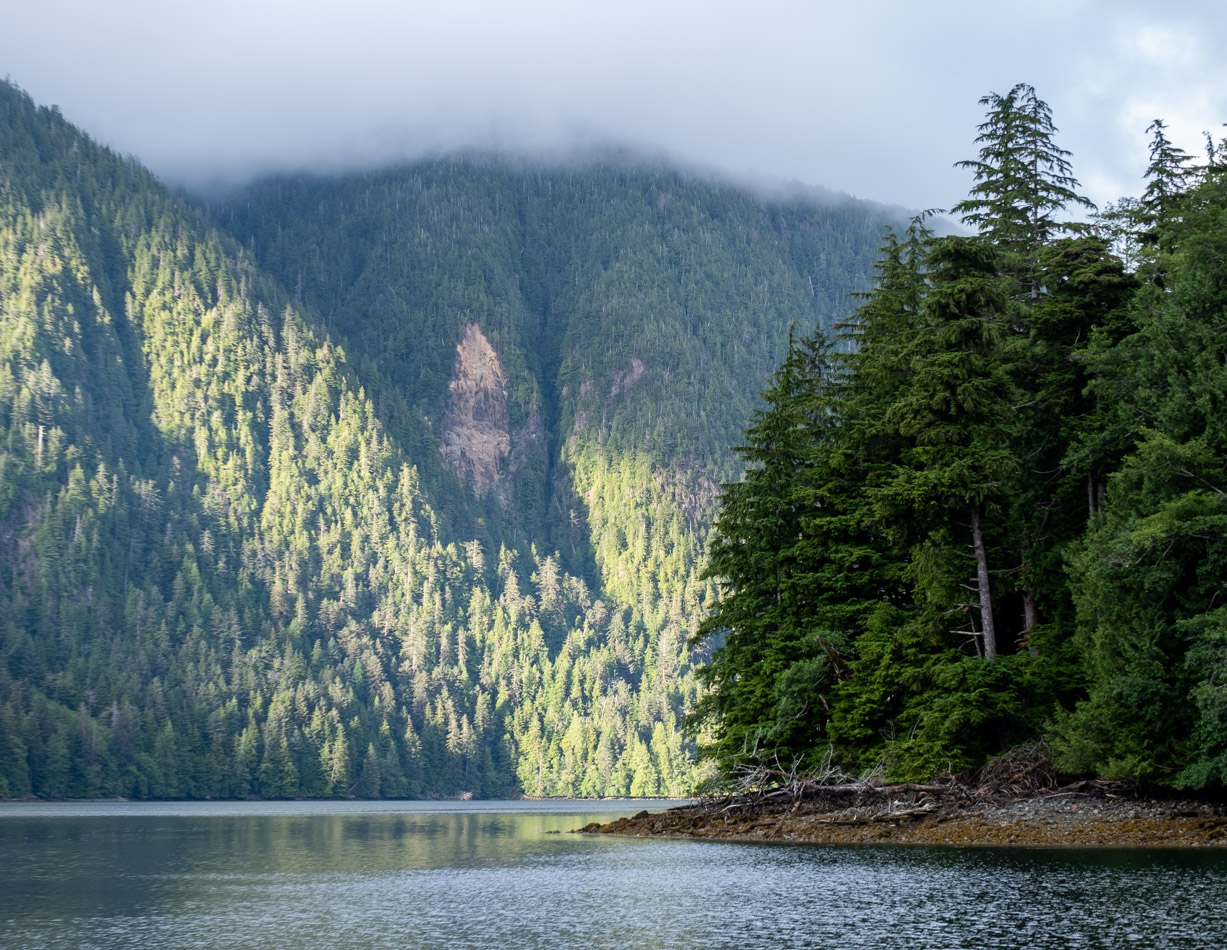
{"x":1168,"y":174}
{"x":956,"y":411}
{"x":1023,"y":182}
{"x":767,"y":630}
{"x":945,"y":471}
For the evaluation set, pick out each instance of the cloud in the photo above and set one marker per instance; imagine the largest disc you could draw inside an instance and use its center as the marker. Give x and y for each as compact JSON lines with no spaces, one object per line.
{"x":875,"y":99}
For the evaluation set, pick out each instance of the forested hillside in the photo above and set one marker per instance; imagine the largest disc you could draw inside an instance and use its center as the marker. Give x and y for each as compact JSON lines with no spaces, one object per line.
{"x":400,"y":487}
{"x":627,"y":308}
{"x":1000,"y":517}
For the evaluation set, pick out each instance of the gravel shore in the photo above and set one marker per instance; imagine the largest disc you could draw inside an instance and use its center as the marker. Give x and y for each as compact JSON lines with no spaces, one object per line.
{"x":1073,"y":817}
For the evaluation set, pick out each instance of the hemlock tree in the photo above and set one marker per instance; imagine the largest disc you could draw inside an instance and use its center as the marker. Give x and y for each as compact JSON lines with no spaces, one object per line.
{"x":1169,"y":174}
{"x":956,"y":410}
{"x":1023,"y":182}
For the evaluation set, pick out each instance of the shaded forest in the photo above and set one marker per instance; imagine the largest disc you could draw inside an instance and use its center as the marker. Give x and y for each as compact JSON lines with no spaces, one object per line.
{"x":996,"y":514}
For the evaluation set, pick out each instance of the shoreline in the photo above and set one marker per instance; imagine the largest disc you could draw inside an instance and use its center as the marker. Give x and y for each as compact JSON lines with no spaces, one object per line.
{"x":1079,"y":816}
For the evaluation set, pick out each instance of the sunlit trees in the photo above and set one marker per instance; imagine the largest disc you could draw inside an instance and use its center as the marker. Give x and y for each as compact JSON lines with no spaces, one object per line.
{"x":234,"y":562}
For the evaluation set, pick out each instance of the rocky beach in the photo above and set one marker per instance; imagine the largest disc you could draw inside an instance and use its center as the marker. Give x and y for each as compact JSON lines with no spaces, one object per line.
{"x":1078,"y":814}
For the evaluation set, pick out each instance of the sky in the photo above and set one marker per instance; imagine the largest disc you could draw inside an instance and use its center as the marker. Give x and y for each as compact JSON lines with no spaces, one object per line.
{"x":875,"y":99}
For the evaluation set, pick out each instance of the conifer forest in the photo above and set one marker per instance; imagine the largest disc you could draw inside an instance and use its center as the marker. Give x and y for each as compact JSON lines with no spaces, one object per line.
{"x":479,"y":476}
{"x":990,"y":509}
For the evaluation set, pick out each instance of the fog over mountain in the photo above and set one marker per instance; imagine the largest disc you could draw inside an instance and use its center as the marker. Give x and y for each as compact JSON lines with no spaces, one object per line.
{"x":878,"y":101}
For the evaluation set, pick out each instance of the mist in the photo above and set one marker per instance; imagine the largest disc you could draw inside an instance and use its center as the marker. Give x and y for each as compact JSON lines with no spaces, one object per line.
{"x":877,"y":102}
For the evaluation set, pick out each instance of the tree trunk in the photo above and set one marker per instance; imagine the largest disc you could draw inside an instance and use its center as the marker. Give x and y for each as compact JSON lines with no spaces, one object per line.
{"x":989,"y":632}
{"x":1031,"y":619}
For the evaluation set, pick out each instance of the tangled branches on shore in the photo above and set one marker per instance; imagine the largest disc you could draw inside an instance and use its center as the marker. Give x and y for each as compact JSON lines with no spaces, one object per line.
{"x":1025,"y":772}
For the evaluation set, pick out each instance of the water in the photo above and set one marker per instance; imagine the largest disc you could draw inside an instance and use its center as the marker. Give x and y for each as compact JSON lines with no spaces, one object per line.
{"x":350,"y":875}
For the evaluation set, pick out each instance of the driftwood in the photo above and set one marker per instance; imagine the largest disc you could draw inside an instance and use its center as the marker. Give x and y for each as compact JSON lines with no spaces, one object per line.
{"x":1019,"y":799}
{"x":1026,"y":773}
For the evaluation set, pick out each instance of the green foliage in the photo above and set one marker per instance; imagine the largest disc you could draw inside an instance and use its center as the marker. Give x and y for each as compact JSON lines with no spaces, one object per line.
{"x":1023,"y":181}
{"x":241,"y":554}
{"x":774,"y":662}
{"x":233,"y":559}
{"x":1150,"y":571}
{"x":1016,"y":493}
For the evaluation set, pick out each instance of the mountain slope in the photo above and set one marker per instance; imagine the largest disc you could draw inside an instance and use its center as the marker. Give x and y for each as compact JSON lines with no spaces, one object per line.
{"x":633,"y":308}
{"x":630,"y":313}
{"x":295,"y":535}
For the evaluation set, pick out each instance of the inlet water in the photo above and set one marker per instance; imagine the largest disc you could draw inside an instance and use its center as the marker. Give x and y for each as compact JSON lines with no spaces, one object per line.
{"x":456,"y":875}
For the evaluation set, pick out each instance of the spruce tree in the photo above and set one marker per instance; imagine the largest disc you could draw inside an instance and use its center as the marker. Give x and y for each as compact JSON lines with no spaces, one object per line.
{"x":956,"y":411}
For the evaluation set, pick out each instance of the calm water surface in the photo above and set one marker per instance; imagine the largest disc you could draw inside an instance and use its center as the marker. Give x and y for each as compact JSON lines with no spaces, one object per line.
{"x":489,"y":874}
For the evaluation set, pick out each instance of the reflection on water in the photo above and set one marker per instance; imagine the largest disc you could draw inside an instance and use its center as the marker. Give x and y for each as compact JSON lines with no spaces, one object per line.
{"x":308,"y":875}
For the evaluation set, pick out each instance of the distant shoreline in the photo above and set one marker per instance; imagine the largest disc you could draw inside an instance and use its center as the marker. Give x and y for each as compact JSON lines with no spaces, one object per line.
{"x":1083,"y":815}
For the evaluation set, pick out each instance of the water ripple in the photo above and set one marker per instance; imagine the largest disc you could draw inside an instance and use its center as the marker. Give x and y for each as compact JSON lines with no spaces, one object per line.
{"x":469,"y":879}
